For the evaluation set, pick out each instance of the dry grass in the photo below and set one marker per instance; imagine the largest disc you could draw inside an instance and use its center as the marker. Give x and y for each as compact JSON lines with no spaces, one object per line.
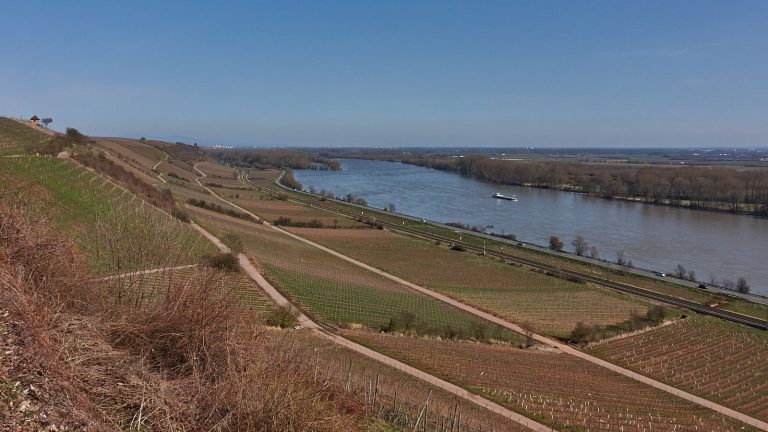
{"x":191,"y":359}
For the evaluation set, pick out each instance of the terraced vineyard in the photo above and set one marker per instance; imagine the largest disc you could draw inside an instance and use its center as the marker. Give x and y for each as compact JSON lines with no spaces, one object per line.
{"x":150,"y":285}
{"x":394,"y":396}
{"x":118,"y":231}
{"x":718,"y":360}
{"x":552,"y":304}
{"x":557,"y":389}
{"x":16,"y":138}
{"x":336,"y":291}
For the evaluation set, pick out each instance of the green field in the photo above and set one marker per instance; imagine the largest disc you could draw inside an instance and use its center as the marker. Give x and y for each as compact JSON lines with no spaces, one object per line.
{"x":15,"y":138}
{"x":340,"y":293}
{"x":551,"y":304}
{"x":118,"y":231}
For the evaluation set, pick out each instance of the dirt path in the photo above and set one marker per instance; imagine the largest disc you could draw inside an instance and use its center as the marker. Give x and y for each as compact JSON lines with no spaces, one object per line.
{"x":563,"y":347}
{"x":543,"y":339}
{"x":143,"y":272}
{"x":159,"y":174}
{"x":307,"y":323}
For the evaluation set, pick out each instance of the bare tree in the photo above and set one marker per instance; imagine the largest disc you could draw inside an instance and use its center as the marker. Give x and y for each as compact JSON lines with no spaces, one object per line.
{"x":529,"y":330}
{"x":691,"y":276}
{"x":391,"y":207}
{"x":555,"y":243}
{"x":593,"y":253}
{"x":46,"y":121}
{"x":580,"y":245}
{"x":621,"y":258}
{"x":713,"y":280}
{"x":742,"y":286}
{"x":680,"y":272}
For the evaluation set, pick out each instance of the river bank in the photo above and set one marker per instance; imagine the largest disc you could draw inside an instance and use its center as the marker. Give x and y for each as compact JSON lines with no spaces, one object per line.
{"x":713,"y":245}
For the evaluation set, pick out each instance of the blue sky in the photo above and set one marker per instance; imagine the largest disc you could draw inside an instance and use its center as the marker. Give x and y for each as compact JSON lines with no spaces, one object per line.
{"x":394,"y":73}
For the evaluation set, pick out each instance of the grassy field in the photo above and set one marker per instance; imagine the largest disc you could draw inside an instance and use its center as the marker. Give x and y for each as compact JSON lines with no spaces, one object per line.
{"x":15,"y":138}
{"x":117,"y":230}
{"x":557,"y":389}
{"x":718,"y":360}
{"x":552,"y":304}
{"x":339,"y":292}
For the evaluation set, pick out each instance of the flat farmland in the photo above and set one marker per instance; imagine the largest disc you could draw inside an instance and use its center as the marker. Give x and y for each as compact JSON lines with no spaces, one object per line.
{"x":554,"y":388}
{"x":721,"y":361}
{"x":552,"y":304}
{"x":97,"y":214}
{"x":264,"y":178}
{"x":336,"y":291}
{"x":271,"y":208}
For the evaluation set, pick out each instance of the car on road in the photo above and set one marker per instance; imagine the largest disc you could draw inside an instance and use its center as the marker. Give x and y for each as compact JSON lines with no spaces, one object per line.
{"x":703,"y":286}
{"x":660,"y":274}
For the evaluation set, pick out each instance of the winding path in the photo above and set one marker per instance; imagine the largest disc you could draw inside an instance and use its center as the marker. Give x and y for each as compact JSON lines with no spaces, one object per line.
{"x":159,"y":174}
{"x":508,"y":325}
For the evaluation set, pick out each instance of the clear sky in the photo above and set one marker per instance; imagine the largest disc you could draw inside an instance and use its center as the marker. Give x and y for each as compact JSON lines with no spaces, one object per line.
{"x":394,"y":73}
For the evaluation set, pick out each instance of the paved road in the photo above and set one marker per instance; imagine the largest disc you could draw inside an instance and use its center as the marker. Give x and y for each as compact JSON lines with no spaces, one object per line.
{"x":564,"y":348}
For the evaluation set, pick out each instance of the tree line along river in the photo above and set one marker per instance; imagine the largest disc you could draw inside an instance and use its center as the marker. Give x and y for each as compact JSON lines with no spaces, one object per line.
{"x":719,"y":245}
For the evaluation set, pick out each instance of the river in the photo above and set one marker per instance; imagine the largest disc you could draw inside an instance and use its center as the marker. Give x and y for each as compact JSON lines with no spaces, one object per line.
{"x":653,"y":237}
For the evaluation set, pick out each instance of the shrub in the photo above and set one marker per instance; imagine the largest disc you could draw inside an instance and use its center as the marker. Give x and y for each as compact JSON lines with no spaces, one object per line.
{"x":219,"y":209}
{"x":656,"y":313}
{"x":223,"y":261}
{"x":286,"y":221}
{"x":283,"y":317}
{"x":459,"y":248}
{"x":180,"y":214}
{"x":584,"y":333}
{"x":555,"y":243}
